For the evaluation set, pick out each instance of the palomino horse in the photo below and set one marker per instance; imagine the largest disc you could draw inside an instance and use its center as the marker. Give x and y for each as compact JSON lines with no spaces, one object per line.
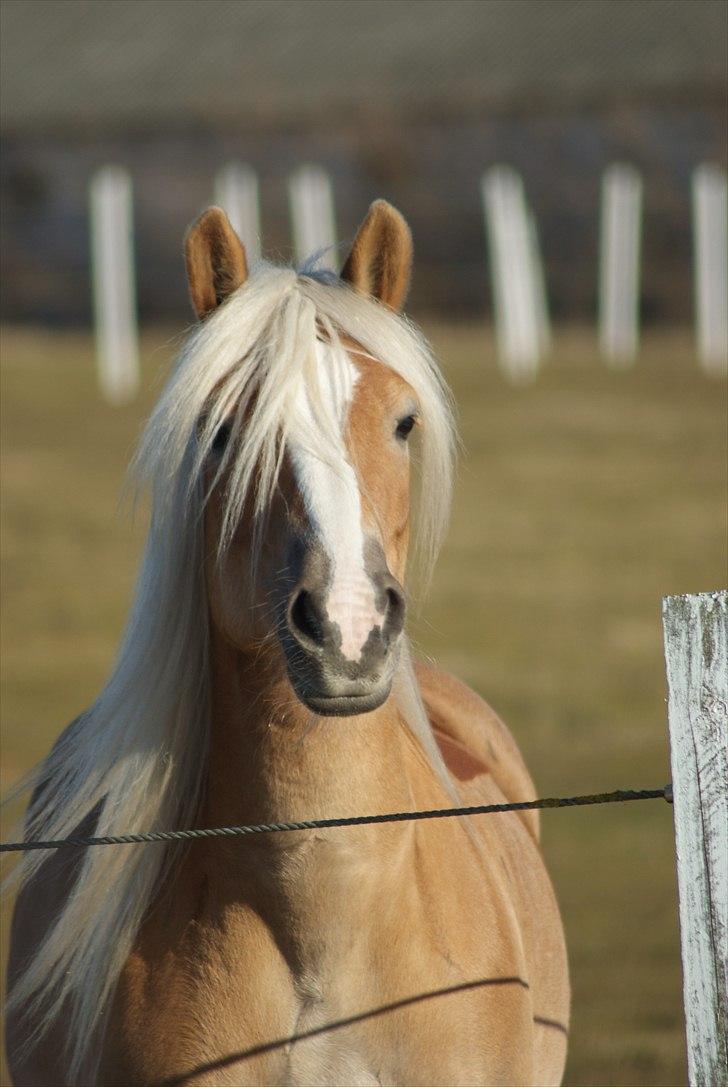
{"x":264,"y":676}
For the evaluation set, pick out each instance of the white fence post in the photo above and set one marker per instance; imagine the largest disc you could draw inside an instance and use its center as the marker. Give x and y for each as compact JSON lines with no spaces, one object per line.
{"x":519,"y":295}
{"x":696,"y":652}
{"x":619,"y":264}
{"x":710,"y":229}
{"x":312,"y":216}
{"x":113,"y":280}
{"x":236,"y":192}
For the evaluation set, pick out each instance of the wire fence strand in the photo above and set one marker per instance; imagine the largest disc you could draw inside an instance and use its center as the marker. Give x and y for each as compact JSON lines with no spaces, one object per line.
{"x":619,"y":796}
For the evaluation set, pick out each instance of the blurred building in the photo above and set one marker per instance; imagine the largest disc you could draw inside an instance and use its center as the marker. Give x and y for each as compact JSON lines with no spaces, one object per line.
{"x":408,"y":99}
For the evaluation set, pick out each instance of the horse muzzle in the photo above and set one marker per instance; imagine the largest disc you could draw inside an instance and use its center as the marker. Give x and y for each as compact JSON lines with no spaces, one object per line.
{"x":341,"y":637}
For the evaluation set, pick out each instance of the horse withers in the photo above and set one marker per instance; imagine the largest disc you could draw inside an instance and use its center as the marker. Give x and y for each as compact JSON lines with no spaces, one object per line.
{"x":265,"y":676}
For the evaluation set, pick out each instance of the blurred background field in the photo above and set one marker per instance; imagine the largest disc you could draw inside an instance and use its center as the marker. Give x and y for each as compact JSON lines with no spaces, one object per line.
{"x":581,"y":501}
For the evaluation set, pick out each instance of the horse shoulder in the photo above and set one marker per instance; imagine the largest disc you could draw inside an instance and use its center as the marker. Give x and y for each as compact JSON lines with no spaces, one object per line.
{"x":470,"y":727}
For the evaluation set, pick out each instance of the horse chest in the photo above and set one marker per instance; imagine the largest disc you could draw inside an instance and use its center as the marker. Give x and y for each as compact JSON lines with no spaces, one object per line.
{"x":236,"y":1000}
{"x":329,"y":1057}
{"x":243,"y":1017}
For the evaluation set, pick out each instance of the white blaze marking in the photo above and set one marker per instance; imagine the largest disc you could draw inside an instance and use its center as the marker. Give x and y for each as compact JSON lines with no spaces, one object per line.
{"x":330,"y":490}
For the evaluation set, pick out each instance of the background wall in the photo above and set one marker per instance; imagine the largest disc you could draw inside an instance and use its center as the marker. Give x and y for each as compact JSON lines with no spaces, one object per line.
{"x":409,"y":100}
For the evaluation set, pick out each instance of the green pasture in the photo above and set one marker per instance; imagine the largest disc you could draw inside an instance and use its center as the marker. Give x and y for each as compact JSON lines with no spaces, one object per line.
{"x":581,"y":500}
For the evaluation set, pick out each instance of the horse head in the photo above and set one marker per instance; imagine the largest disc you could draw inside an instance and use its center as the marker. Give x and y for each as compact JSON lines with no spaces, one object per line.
{"x":331,"y":555}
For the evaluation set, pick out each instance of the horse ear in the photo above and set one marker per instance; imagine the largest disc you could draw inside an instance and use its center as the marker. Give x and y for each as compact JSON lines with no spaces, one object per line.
{"x":215,"y":259}
{"x":380,"y":261}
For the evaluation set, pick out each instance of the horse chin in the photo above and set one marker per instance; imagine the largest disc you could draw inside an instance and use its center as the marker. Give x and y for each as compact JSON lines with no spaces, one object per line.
{"x":342,"y":705}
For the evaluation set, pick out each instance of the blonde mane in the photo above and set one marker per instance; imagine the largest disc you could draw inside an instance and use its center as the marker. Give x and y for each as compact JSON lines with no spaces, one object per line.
{"x":136,"y":760}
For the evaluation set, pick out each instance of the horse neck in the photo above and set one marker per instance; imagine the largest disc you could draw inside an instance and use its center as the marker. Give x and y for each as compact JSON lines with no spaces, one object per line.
{"x":272,"y":760}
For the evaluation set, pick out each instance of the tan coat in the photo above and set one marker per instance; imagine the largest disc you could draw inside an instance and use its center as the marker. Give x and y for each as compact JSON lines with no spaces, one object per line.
{"x":396,"y":954}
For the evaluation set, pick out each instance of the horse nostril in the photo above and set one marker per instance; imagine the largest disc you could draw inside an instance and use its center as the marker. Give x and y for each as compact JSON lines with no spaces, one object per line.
{"x":394,"y":614}
{"x":305,"y":619}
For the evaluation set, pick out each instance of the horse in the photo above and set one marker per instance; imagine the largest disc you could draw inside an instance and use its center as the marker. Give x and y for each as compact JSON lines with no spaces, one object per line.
{"x":265,"y":675}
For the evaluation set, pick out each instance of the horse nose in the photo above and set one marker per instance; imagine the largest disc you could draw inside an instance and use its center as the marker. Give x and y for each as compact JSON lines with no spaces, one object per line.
{"x":340,"y":638}
{"x":311,"y":625}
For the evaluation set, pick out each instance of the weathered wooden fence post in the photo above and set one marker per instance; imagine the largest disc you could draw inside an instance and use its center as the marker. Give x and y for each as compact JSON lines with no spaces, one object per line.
{"x":696,"y":652}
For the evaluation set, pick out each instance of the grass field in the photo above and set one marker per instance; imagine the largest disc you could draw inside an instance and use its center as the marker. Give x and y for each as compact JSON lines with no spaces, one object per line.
{"x":581,"y":501}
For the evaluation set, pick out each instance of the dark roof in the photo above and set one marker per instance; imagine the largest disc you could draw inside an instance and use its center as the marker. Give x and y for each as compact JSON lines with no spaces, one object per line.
{"x":147,"y":63}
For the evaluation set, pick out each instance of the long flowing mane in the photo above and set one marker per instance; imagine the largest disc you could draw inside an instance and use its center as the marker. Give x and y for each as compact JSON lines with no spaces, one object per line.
{"x":136,"y":760}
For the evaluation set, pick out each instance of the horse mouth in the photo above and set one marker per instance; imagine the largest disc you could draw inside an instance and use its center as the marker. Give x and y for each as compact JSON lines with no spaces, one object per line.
{"x":345,"y":705}
{"x":330,"y":686}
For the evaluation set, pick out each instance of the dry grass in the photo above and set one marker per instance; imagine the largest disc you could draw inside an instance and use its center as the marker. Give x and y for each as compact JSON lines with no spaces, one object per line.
{"x":581,"y":501}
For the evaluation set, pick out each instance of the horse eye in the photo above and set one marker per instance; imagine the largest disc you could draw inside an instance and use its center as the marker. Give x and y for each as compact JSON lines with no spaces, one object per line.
{"x":222,"y":436}
{"x":404,"y":426}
